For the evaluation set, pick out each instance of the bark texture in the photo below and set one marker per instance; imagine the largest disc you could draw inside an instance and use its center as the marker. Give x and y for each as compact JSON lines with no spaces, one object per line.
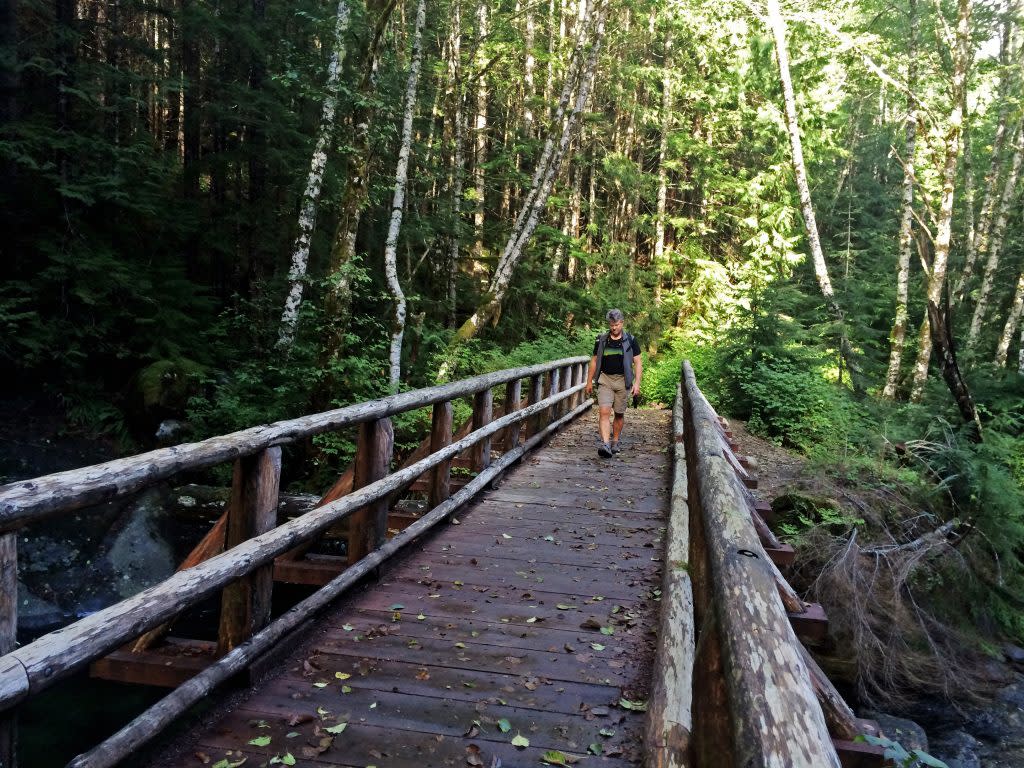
{"x":1010,"y":327}
{"x":995,"y":247}
{"x":944,"y":225}
{"x":778,"y":29}
{"x":906,"y":241}
{"x":314,"y":180}
{"x":398,"y":202}
{"x":977,"y":239}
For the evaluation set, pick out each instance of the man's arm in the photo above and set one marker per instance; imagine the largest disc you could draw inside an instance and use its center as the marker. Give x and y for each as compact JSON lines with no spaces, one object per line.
{"x":638,"y":371}
{"x":590,"y":374}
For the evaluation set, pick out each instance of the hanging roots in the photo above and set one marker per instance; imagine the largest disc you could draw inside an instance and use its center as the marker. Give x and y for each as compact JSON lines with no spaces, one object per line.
{"x":877,"y":602}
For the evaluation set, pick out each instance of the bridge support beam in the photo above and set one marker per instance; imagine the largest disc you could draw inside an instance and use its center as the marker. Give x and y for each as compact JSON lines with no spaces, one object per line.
{"x":513,"y":396}
{"x":535,"y":395}
{"x":441,"y":437}
{"x":483,"y":411}
{"x":368,"y":527}
{"x":245,"y":605}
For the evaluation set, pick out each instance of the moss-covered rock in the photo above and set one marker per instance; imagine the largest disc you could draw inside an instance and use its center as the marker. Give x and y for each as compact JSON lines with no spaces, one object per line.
{"x":167,"y":385}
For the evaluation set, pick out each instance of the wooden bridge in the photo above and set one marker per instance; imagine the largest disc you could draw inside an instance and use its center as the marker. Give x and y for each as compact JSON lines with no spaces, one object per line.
{"x":547,"y":607}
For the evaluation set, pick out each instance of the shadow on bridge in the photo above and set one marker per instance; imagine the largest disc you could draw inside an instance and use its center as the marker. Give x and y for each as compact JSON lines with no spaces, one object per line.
{"x":529,"y":620}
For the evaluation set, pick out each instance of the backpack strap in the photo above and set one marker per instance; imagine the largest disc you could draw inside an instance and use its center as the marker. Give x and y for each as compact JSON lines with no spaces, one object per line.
{"x":602,"y":339}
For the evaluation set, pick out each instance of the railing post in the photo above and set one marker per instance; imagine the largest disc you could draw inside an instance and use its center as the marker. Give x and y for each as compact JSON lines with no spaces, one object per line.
{"x":8,"y":639}
{"x":578,"y":372}
{"x":245,"y":605}
{"x":368,"y":527}
{"x":513,"y":395}
{"x":483,"y":410}
{"x":556,"y":386}
{"x":441,"y":437}
{"x":535,"y":395}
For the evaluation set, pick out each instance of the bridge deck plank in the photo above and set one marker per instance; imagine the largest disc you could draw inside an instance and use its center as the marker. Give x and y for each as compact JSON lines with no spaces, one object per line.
{"x":497,"y":621}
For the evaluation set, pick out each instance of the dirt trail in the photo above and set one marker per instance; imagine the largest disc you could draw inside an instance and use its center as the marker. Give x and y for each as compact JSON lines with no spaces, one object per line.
{"x":778,"y":468}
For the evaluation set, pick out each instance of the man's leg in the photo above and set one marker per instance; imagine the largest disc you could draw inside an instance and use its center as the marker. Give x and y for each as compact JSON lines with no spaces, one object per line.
{"x":604,"y":419}
{"x":619,"y":406}
{"x":620,"y":419}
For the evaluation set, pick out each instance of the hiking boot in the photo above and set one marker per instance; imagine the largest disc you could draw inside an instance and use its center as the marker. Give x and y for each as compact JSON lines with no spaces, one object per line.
{"x":615,"y":447}
{"x":604,"y":451}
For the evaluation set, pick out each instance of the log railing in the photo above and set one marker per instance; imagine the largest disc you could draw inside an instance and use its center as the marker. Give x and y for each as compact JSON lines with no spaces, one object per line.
{"x":733,"y":684}
{"x":244,"y":570}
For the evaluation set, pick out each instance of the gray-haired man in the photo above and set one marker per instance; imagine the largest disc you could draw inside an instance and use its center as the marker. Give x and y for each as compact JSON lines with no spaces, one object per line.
{"x":616,"y":367}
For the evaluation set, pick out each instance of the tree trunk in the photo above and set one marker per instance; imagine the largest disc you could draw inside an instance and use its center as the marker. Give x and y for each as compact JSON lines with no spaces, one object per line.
{"x":314,"y":180}
{"x":666,"y":127}
{"x":398,"y":201}
{"x":9,"y":81}
{"x":579,"y":78}
{"x":942,"y":338}
{"x":458,"y":161}
{"x":977,"y":241}
{"x":1020,"y":354}
{"x":480,"y":131}
{"x":906,"y":244}
{"x":575,"y":203}
{"x":995,"y":246}
{"x":338,"y":301}
{"x":944,"y":225}
{"x":190,"y":117}
{"x":529,"y":66}
{"x":778,"y":28}
{"x":1012,"y":320}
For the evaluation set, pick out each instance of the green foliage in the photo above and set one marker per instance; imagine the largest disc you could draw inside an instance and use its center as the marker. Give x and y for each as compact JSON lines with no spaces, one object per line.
{"x":799,"y":407}
{"x":915,"y":758}
{"x":662,"y":372}
{"x":478,"y":355}
{"x":980,"y":484}
{"x":798,"y":513}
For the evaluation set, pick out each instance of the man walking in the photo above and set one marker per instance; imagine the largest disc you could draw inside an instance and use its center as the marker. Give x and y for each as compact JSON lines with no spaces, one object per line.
{"x":616,"y":368}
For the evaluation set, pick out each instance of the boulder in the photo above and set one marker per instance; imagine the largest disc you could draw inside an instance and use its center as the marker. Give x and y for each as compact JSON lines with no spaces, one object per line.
{"x":138,"y":554}
{"x":957,"y":749}
{"x":37,"y":616}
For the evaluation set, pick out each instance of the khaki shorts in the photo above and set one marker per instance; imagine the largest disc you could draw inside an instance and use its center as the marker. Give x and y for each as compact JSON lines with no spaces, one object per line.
{"x":611,"y":390}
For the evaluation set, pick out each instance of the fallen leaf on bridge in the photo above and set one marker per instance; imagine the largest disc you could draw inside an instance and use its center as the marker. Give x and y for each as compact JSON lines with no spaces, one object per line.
{"x":635,"y":706}
{"x":554,"y":757}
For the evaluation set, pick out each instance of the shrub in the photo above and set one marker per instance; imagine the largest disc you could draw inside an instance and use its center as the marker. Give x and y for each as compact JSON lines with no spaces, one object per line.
{"x":799,"y":407}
